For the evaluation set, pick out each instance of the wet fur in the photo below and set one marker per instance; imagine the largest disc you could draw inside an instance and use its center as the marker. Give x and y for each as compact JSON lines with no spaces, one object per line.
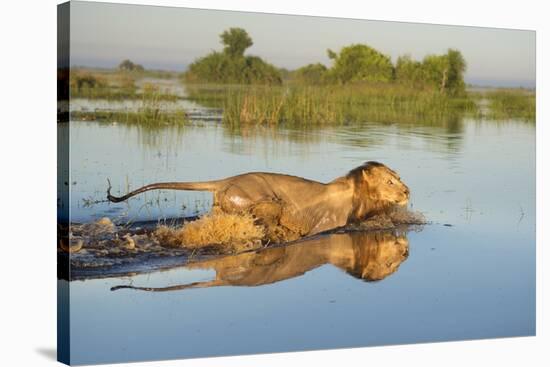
{"x":291,"y":207}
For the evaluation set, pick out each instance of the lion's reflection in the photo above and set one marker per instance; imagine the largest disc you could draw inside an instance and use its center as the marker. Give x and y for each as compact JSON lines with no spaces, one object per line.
{"x":367,"y":256}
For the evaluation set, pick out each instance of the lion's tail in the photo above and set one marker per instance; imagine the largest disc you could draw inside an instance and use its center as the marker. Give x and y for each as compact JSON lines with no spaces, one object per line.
{"x":196,"y":186}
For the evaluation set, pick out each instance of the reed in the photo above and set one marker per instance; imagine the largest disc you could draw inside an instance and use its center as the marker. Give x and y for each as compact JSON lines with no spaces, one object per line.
{"x":512,"y":103}
{"x":302,"y":105}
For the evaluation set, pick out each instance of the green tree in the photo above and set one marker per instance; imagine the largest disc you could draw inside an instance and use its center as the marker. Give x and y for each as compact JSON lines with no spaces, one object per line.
{"x":435,"y":70}
{"x":312,"y":74}
{"x":236,"y":41}
{"x":408,"y":71}
{"x":457,"y":67}
{"x":231,"y":66}
{"x":219,"y":68}
{"x":361,"y":63}
{"x":285,"y":73}
{"x":257,"y":70}
{"x":331,"y":54}
{"x":127,"y":65}
{"x":445,"y":72}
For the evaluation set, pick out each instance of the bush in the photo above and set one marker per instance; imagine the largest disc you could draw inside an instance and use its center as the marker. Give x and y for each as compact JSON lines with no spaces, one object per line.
{"x":409,"y":72}
{"x":444,"y":73}
{"x":231,"y":66}
{"x":312,"y":74}
{"x":127,"y":65}
{"x":360,"y":63}
{"x":87,"y":84}
{"x":81,"y":81}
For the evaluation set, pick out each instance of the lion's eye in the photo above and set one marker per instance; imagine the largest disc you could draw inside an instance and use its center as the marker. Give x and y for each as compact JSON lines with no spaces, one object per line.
{"x":390,"y":182}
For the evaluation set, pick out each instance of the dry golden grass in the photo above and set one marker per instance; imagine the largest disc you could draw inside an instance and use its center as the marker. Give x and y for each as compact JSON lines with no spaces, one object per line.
{"x":238,"y":232}
{"x":232,"y":231}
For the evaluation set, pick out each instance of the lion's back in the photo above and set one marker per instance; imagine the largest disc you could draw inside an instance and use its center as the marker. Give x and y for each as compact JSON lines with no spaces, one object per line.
{"x":288,"y":187}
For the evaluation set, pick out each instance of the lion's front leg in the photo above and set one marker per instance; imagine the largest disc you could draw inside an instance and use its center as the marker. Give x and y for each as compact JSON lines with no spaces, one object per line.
{"x":268,"y":214}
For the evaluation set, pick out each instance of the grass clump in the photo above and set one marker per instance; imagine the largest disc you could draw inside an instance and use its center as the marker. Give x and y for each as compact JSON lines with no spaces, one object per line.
{"x":303,"y":105}
{"x":509,"y":103}
{"x":145,"y":116}
{"x":233,"y":232}
{"x":113,"y":85}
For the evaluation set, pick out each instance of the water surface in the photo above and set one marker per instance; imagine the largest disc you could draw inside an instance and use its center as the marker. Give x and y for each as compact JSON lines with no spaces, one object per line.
{"x":470,"y":274}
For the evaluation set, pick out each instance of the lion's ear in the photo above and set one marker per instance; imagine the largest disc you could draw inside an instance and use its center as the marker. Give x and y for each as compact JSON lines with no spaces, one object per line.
{"x":365,"y":174}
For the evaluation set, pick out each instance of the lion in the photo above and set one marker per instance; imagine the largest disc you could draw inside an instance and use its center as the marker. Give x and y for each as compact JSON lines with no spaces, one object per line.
{"x":292,"y":207}
{"x":369,"y":256}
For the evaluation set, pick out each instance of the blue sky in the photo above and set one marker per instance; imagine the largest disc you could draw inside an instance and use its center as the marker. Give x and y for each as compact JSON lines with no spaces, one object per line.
{"x":103,"y":34}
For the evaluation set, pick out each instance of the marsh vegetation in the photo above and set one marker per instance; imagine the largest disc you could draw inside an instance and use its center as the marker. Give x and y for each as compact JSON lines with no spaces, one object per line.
{"x":231,"y":66}
{"x":299,"y":104}
{"x":362,"y":84}
{"x":117,"y":84}
{"x":516,"y":103}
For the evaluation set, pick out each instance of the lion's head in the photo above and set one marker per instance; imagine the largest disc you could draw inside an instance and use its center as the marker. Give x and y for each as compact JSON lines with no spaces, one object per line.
{"x":377,"y":187}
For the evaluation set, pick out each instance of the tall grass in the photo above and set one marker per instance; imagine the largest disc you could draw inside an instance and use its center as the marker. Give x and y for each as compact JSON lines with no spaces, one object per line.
{"x":323,"y":105}
{"x":508,"y":103}
{"x":309,"y":105}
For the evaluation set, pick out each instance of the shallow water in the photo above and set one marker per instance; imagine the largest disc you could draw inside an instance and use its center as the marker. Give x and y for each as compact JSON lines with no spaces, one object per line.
{"x":473,"y":279}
